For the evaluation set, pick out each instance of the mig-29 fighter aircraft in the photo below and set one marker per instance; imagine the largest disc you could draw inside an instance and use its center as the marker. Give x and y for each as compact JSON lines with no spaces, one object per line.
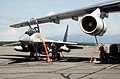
{"x":31,"y":41}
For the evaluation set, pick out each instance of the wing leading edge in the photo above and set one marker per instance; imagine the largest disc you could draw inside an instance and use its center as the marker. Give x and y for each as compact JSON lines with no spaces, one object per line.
{"x":108,"y":7}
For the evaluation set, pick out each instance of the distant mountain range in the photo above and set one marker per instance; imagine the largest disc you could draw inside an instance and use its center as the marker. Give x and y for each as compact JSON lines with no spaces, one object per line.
{"x":84,"y":38}
{"x":88,"y":38}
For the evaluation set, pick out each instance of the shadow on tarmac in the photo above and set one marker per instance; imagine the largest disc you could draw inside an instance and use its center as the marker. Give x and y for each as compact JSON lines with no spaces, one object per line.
{"x":25,"y":58}
{"x":15,"y":58}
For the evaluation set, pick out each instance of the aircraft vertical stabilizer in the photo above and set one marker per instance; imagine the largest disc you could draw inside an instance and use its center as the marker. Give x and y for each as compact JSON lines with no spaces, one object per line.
{"x":66,"y":34}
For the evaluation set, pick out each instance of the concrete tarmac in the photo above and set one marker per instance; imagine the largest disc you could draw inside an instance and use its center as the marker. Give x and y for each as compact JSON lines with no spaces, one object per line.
{"x":74,"y":65}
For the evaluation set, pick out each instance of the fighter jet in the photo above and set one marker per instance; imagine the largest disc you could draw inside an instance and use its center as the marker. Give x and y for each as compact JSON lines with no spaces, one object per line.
{"x":31,"y":41}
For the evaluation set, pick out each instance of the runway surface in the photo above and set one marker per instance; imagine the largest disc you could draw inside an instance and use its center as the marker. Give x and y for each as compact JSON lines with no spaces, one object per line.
{"x":74,"y":65}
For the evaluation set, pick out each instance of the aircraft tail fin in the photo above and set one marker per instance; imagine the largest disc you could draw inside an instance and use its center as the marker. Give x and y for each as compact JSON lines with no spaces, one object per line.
{"x":66,"y":34}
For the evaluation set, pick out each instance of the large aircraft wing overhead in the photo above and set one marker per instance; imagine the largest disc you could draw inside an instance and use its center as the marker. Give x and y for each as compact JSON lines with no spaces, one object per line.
{"x":112,"y":6}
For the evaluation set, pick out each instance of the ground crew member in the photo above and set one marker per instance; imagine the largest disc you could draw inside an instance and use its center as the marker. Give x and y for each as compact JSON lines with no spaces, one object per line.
{"x":102,"y":53}
{"x":54,"y":51}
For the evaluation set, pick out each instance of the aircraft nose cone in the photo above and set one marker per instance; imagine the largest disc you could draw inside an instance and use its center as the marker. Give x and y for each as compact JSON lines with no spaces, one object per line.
{"x":24,"y":38}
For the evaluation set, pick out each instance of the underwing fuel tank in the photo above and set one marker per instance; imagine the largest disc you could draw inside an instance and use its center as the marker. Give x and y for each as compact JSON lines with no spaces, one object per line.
{"x":20,"y":49}
{"x":64,"y":48}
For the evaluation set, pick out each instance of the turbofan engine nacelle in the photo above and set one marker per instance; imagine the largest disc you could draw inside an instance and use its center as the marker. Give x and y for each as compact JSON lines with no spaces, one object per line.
{"x":92,"y":24}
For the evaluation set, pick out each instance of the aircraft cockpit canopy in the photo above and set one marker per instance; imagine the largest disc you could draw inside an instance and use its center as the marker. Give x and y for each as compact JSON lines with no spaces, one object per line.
{"x":31,"y":31}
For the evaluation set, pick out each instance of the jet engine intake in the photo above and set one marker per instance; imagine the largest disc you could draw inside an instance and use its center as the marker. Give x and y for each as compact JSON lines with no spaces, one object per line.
{"x":93,"y":24}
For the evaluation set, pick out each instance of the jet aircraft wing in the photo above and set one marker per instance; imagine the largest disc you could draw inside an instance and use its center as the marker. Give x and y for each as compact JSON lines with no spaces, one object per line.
{"x":53,"y":41}
{"x":112,"y":6}
{"x":71,"y":45}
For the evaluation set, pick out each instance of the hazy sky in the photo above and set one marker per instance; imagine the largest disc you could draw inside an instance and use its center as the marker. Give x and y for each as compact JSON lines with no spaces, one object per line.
{"x":15,"y":11}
